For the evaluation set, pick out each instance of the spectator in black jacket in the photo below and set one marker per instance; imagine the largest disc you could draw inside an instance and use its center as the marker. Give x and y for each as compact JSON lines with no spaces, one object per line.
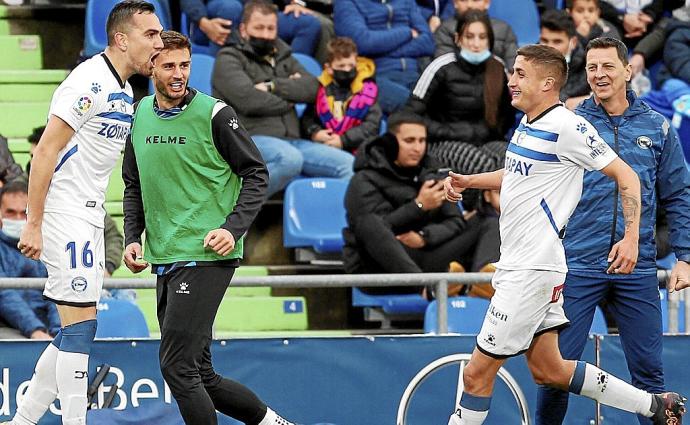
{"x":558,"y":31}
{"x":398,"y":221}
{"x":346,"y":112}
{"x":9,"y":170}
{"x":462,"y":95}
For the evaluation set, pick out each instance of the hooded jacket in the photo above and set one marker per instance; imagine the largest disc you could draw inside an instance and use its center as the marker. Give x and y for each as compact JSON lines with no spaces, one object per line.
{"x":677,"y":49}
{"x":238,"y":68}
{"x":577,"y":84}
{"x":380,"y":188}
{"x":645,"y":141}
{"x":367,"y":129}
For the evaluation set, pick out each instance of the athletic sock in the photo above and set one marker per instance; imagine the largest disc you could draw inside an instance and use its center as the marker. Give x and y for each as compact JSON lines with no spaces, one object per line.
{"x":473,"y":410}
{"x":272,"y":418}
{"x":42,"y":389}
{"x":592,"y":382}
{"x":72,"y":370}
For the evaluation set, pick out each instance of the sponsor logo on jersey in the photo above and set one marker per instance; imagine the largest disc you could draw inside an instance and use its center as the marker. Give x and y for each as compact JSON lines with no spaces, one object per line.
{"x":582,"y":128}
{"x":183,"y":288}
{"x":490,"y":339}
{"x":82,"y":105}
{"x":233,"y":123}
{"x":95,"y":88}
{"x":171,"y":140}
{"x":497,"y":314}
{"x":644,"y":142}
{"x":114,"y":131}
{"x":597,"y":147}
{"x":518,"y":167}
{"x":79,"y":284}
{"x":90,"y":204}
{"x":557,"y":291}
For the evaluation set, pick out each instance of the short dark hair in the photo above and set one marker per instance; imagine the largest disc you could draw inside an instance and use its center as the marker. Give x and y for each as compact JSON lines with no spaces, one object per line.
{"x":569,"y":3}
{"x":173,"y":40}
{"x":14,"y":186}
{"x":472,"y":16}
{"x":547,"y":58}
{"x":340,"y":47}
{"x":607,"y":43}
{"x":122,"y":14}
{"x":262,"y":6}
{"x":399,"y":118}
{"x":558,"y":21}
{"x":36,"y":134}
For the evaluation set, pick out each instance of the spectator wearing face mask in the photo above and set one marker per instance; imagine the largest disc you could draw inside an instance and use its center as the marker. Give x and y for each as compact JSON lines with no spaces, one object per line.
{"x":463,"y":95}
{"x":25,"y":311}
{"x":346,"y":112}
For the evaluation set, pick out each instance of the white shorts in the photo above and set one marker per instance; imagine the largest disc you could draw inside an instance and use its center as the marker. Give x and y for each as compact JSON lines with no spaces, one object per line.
{"x":526,"y":303}
{"x":74,"y":254}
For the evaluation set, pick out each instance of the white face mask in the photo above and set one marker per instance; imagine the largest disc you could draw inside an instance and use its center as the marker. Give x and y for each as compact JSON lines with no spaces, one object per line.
{"x":13,"y":228}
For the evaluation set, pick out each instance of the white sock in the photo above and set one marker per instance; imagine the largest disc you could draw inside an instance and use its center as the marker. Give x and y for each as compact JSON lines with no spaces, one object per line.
{"x":611,"y":391}
{"x":42,"y":389}
{"x":72,"y":383}
{"x":272,"y":418}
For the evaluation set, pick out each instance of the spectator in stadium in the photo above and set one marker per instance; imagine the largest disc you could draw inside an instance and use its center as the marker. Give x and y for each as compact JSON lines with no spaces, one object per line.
{"x":463,"y":95}
{"x":395,"y":35}
{"x":505,"y":41}
{"x":586,"y":16}
{"x":345,"y":113}
{"x":558,"y":31}
{"x":9,"y":170}
{"x":213,"y":21}
{"x":677,"y":50}
{"x":216,"y":186}
{"x":645,"y":140}
{"x":397,"y":219}
{"x":260,"y":78}
{"x":24,"y":310}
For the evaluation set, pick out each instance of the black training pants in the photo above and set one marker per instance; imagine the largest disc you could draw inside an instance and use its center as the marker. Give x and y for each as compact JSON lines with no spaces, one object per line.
{"x":188,"y":300}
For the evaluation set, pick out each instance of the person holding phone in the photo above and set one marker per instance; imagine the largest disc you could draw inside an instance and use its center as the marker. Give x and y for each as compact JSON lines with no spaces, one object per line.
{"x":397,"y":219}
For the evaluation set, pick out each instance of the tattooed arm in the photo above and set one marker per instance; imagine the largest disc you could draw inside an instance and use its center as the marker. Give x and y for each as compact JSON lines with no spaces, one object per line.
{"x":623,"y":255}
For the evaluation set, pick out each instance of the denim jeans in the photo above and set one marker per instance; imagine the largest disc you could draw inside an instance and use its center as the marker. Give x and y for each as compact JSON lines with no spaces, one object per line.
{"x":301,"y":33}
{"x":287,"y":159}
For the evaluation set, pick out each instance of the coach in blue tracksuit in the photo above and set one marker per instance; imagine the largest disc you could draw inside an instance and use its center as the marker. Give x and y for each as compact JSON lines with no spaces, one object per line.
{"x":644,"y":139}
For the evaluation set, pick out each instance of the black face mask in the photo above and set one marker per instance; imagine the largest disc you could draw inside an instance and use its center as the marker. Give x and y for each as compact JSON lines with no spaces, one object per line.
{"x":344,"y":78}
{"x":262,"y":46}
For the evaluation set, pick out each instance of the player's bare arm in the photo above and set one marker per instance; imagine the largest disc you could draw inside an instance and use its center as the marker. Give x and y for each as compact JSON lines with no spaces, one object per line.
{"x":455,"y":183}
{"x":623,"y":255}
{"x":56,"y":136}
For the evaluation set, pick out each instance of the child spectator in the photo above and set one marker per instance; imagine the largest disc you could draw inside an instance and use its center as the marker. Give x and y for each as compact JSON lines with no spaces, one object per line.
{"x":586,"y":15}
{"x":345,"y":112}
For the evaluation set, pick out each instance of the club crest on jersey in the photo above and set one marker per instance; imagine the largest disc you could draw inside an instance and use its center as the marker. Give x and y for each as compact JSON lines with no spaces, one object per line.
{"x":79,"y":284}
{"x":644,"y":142}
{"x":82,"y":105}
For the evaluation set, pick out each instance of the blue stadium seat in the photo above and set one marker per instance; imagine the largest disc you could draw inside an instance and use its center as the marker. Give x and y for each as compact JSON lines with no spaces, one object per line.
{"x":599,"y":323}
{"x":522,"y":16}
{"x":313,"y":67}
{"x":465,"y":315}
{"x":314,"y":214}
{"x":202,"y":68}
{"x":95,"y":38}
{"x":386,"y":308}
{"x":120,"y":319}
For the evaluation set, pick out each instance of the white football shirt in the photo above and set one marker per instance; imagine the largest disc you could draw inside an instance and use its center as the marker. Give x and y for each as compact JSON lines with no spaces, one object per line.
{"x":542,"y":185}
{"x":98,"y":106}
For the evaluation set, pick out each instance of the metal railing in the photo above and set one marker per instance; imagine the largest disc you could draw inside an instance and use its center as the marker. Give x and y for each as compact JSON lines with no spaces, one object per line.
{"x":440,"y":280}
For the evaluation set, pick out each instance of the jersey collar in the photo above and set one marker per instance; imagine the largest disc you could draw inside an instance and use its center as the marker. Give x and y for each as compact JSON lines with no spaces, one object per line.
{"x":112,"y":69}
{"x":549,"y":109}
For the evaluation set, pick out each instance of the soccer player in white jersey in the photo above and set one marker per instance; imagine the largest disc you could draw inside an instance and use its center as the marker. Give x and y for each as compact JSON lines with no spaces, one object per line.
{"x":540,"y":187}
{"x":88,"y":123}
